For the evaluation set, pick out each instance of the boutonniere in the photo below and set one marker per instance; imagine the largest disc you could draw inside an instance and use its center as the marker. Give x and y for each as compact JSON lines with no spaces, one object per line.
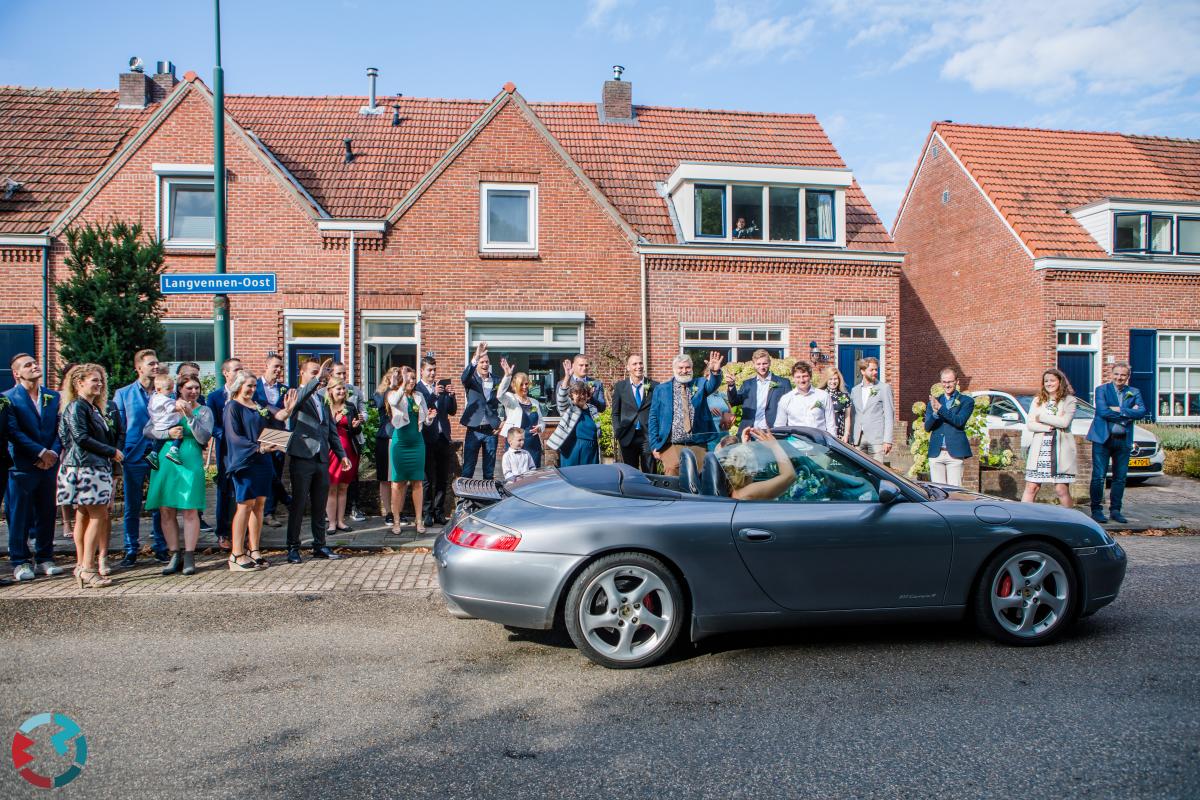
{"x":1128,"y":395}
{"x":4,"y":402}
{"x":956,"y":403}
{"x":695,"y":391}
{"x":818,"y":404}
{"x":108,"y":423}
{"x":874,"y":391}
{"x":773,"y":385}
{"x":843,"y":398}
{"x":46,"y":398}
{"x":262,"y":412}
{"x":1052,"y":408}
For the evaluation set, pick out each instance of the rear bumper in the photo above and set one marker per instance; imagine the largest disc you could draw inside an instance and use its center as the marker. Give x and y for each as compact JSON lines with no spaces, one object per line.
{"x":511,"y":588}
{"x":1103,"y":572}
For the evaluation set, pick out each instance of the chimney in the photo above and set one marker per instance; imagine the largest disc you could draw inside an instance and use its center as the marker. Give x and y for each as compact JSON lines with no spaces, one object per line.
{"x":617,"y":105}
{"x":371,"y":107}
{"x":164,"y":80}
{"x":134,"y":86}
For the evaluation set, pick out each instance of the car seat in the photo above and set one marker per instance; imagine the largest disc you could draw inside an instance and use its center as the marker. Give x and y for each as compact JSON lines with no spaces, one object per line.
{"x":689,"y":475}
{"x":713,"y":481}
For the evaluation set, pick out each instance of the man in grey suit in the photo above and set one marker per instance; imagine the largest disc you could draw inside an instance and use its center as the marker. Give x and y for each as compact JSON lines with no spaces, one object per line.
{"x":313,"y":436}
{"x":874,"y":412}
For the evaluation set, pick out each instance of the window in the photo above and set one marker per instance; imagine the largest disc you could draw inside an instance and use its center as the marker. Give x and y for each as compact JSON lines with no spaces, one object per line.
{"x":1075,"y":338}
{"x":1160,"y":234}
{"x":747,"y":212}
{"x":536,"y":347}
{"x":1188,"y":243}
{"x":734,"y":343}
{"x":391,"y":341}
{"x":189,"y":212}
{"x":785,"y":214}
{"x":188,"y":341}
{"x":1001,"y":405}
{"x":822,"y":474}
{"x":858,"y":333}
{"x":818,"y":216}
{"x":1179,"y":376}
{"x":508,"y":216}
{"x":710,"y":211}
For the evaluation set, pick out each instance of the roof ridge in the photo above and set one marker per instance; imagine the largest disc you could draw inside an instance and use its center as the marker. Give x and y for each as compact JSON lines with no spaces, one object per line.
{"x":943,"y":124}
{"x":56,"y":89}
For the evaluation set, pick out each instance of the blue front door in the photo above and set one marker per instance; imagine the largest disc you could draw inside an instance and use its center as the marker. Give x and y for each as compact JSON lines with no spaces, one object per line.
{"x":1078,"y":369}
{"x":299,"y":353}
{"x":13,"y":339}
{"x":848,"y":356}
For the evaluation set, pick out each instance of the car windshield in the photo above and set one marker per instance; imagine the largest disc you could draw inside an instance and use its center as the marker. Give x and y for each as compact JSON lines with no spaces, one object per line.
{"x":1083,"y":409}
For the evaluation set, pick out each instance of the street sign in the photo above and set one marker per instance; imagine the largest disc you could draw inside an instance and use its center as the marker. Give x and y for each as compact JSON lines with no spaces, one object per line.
{"x":218,"y":283}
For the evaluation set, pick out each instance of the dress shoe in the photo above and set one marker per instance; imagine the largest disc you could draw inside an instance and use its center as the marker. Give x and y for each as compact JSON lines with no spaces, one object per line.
{"x":1117,"y":516}
{"x":1099,"y":516}
{"x":325,"y":552}
{"x":130,"y":560}
{"x":293,"y":556}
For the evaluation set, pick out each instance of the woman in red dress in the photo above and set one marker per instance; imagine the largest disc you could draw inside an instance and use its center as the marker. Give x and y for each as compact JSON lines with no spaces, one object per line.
{"x":345,"y":414}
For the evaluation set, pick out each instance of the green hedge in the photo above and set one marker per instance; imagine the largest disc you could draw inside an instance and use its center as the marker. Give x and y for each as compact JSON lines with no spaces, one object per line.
{"x":1176,"y":438}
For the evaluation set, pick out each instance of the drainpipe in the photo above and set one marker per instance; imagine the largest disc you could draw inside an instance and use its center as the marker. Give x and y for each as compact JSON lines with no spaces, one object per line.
{"x":645,"y":321}
{"x":350,"y":360}
{"x":45,"y":362}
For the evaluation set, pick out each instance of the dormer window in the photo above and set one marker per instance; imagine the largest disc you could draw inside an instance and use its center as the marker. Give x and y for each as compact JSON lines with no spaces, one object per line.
{"x":1142,"y":232}
{"x":1133,"y":227}
{"x":818,"y":216}
{"x":710,"y":211}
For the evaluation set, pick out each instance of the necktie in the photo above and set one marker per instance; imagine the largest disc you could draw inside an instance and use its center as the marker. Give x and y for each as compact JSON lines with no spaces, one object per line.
{"x":637,"y":396}
{"x":687,"y":409}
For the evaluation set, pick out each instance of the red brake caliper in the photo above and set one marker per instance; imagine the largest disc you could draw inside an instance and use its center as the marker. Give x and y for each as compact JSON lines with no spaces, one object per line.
{"x":649,"y":603}
{"x":1006,"y":586}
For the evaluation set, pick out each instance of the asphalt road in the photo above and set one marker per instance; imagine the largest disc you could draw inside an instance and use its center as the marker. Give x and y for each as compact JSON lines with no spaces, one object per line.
{"x":367,"y":696}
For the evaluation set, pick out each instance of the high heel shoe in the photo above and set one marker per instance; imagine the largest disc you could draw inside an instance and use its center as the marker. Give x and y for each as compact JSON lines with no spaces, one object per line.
{"x":91,"y":579}
{"x":102,"y":566}
{"x":238,"y":566}
{"x":189,"y":562}
{"x":261,"y":562}
{"x":421,"y":528}
{"x":174,"y":565}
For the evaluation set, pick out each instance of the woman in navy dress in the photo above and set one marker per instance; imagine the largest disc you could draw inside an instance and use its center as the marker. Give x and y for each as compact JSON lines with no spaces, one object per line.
{"x":521,"y":410}
{"x":249,"y":465}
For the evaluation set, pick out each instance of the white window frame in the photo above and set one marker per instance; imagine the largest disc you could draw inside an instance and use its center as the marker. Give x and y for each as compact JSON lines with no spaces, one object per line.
{"x":548,"y":319}
{"x":879,"y":323}
{"x":733,"y":342}
{"x":314,"y":315}
{"x":168,"y":175}
{"x":686,"y":213}
{"x":387,"y":316}
{"x":1171,"y":363}
{"x":216,"y":370}
{"x":1096,"y":348}
{"x":529,"y":246}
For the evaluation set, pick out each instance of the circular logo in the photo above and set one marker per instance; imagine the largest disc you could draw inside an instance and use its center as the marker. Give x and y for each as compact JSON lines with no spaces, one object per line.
{"x":68,"y":742}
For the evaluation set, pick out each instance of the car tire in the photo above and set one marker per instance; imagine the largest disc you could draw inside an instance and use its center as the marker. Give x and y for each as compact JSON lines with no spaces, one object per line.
{"x":625,"y":610}
{"x":1028,"y":595}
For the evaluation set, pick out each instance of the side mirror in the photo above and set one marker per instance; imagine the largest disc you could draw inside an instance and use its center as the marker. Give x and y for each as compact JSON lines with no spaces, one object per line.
{"x":1010,"y":416}
{"x":888,"y":492}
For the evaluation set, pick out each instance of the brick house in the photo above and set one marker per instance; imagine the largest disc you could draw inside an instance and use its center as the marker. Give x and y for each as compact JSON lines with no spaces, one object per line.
{"x":1028,"y":248}
{"x":413,"y":225}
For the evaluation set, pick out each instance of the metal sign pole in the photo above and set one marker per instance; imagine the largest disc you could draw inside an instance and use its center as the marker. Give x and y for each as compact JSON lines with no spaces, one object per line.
{"x":221,"y":343}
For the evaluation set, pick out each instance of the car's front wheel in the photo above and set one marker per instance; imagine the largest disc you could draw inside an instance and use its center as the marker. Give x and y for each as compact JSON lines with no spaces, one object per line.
{"x":625,"y":610}
{"x":1028,"y":595}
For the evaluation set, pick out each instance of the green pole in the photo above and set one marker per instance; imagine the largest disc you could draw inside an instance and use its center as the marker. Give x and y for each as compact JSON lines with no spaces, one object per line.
{"x":220,"y":301}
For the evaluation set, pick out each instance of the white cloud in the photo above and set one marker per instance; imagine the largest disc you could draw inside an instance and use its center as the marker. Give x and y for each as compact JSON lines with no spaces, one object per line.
{"x":753,"y":36}
{"x":599,"y":11}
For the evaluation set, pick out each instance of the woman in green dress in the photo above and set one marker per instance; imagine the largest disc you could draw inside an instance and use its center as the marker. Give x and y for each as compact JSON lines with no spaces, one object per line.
{"x":176,"y":488}
{"x":409,"y":415}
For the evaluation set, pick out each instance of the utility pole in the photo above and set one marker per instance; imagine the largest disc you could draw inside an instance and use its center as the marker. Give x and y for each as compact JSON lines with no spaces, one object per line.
{"x":220,"y":301}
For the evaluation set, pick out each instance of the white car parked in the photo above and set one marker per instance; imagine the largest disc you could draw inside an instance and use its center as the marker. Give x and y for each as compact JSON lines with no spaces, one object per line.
{"x":1011,"y":411}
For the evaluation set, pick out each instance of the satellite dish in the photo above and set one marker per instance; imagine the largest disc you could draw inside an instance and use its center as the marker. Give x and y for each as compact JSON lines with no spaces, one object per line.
{"x":135,"y":64}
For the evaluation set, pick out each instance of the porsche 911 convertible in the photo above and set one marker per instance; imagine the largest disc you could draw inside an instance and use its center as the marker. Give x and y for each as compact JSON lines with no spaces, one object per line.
{"x":629,"y":562}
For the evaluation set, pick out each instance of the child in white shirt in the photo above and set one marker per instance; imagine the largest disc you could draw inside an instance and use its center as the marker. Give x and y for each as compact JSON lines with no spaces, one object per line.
{"x":516,"y":461}
{"x":164,"y":416}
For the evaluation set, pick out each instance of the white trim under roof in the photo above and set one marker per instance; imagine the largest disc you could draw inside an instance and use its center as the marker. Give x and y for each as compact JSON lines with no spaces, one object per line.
{"x":1133,"y":204}
{"x":1155,"y":267}
{"x":183,"y":169}
{"x":536,"y":316}
{"x":24,"y":240}
{"x":774,"y":251}
{"x":839,"y":177}
{"x":378,"y":225}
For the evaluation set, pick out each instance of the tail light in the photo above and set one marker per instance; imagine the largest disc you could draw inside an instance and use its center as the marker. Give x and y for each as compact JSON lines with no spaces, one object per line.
{"x":481,"y":535}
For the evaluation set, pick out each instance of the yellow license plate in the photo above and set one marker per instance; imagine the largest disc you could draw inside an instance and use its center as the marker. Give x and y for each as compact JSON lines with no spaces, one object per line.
{"x":1139,"y":462}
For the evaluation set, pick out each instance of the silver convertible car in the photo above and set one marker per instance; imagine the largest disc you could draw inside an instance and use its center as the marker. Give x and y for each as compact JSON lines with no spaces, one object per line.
{"x":629,"y":562}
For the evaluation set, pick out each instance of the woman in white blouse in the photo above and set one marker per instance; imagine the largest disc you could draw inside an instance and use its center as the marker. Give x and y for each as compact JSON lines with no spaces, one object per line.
{"x":409,"y":415}
{"x":1051,"y":457}
{"x":521,"y":410}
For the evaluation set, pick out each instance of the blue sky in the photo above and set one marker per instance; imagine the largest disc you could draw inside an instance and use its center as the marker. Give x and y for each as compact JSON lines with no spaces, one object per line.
{"x":875,"y":73}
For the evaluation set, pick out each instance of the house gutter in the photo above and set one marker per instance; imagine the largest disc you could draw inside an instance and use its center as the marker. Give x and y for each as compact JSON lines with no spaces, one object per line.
{"x":353,"y":292}
{"x":645,"y":314}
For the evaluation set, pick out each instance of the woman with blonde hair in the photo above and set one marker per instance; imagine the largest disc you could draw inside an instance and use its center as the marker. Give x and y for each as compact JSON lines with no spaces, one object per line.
{"x":409,"y":414}
{"x":1052,"y":453}
{"x":839,"y":402}
{"x":521,"y":410}
{"x":85,"y":478}
{"x":347,"y":420}
{"x":739,"y":461}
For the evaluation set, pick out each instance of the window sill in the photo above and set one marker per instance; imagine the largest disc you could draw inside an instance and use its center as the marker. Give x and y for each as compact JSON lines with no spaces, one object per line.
{"x":189,"y":249}
{"x":520,"y":255}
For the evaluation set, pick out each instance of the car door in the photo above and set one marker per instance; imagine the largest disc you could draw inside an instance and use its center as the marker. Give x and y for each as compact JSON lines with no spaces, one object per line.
{"x":832,"y":545}
{"x":1005,"y":414}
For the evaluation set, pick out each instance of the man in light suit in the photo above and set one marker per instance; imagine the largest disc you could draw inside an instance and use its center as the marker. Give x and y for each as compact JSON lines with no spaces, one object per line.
{"x":874,"y":412}
{"x":679,"y":415}
{"x":270,"y":391}
{"x":759,"y":396}
{"x":481,"y":415}
{"x":946,"y":421}
{"x":1118,"y":406}
{"x":133,"y":407}
{"x":314,"y":435}
{"x":224,"y":483}
{"x":631,"y":414}
{"x":439,"y":448}
{"x":32,"y":430}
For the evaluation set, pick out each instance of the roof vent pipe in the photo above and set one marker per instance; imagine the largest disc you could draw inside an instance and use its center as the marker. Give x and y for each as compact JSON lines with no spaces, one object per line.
{"x":349,"y":156}
{"x":371,"y":107}
{"x":617,"y":70}
{"x":395,"y":115}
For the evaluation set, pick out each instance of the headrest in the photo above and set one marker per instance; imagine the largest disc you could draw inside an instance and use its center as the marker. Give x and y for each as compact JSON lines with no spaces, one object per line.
{"x":713,"y":481}
{"x":689,"y":474}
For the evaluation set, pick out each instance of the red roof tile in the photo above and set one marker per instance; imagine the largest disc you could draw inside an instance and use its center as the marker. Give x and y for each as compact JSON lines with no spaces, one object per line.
{"x":1036,"y":176}
{"x":53,"y":142}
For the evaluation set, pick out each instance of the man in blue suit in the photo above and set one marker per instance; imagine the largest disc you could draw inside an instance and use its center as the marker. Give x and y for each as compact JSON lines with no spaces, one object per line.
{"x":133,"y":407}
{"x":481,"y":415}
{"x":32,"y":426}
{"x":270,"y":392}
{"x":224,"y":485}
{"x":679,"y":415}
{"x":759,"y":396}
{"x":946,"y":420}
{"x":576,"y":371}
{"x":1118,"y":406}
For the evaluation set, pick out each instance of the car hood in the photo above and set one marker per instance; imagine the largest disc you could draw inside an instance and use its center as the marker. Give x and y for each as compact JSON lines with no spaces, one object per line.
{"x":1074,"y":526}
{"x":600,"y":487}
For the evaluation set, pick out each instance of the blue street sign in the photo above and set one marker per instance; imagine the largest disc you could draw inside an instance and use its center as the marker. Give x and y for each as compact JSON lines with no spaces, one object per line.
{"x":218,"y":283}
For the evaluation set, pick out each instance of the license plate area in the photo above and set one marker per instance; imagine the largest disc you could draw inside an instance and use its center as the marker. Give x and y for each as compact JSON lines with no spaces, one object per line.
{"x":1139,"y":462}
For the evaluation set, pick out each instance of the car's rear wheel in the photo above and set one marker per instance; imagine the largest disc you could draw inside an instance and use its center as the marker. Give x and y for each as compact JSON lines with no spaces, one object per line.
{"x":625,"y":610}
{"x":1028,"y":595}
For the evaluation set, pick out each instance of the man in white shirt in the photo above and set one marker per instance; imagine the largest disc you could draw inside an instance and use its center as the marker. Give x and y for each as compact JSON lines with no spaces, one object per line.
{"x":805,"y":405}
{"x":759,"y":396}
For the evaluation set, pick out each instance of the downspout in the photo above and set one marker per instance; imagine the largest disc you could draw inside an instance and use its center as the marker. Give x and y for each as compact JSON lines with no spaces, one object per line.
{"x":645,"y":320}
{"x":350,"y":360}
{"x":45,"y":362}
